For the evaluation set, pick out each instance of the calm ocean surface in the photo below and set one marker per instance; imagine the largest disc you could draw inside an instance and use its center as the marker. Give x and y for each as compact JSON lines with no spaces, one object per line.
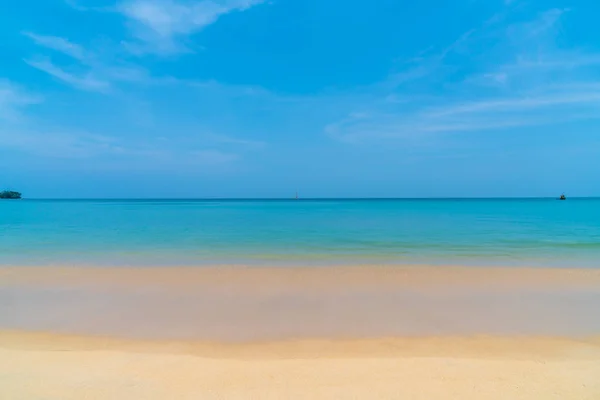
{"x":287,"y":232}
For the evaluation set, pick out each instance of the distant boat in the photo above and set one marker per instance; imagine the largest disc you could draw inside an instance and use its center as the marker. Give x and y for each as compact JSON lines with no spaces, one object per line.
{"x":296,"y":196}
{"x":562,"y":197}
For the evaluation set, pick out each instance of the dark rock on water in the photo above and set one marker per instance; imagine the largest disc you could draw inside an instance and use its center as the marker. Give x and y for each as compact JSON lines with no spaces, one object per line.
{"x":8,"y":194}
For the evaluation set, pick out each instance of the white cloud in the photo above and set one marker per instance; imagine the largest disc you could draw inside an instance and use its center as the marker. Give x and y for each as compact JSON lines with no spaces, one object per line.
{"x":519,"y":104}
{"x":57,"y":143}
{"x":13,"y":98}
{"x":545,"y":22}
{"x":558,"y":60}
{"x":515,"y":76}
{"x":551,"y":106}
{"x":85,"y":81}
{"x":500,"y":77}
{"x":123,"y":73}
{"x":411,"y":128}
{"x":89,"y":71}
{"x":110,"y":152}
{"x":161,"y":25}
{"x":58,"y":44}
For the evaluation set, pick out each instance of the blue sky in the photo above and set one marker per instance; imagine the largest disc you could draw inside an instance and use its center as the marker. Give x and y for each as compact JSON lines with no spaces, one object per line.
{"x":251,"y":98}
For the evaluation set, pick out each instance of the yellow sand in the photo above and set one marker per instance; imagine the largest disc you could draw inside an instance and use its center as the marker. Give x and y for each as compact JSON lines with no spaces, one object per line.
{"x":61,"y":367}
{"x":44,"y":366}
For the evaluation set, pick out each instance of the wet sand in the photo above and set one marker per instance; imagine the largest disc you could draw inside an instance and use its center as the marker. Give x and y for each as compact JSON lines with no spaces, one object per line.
{"x":309,"y":333}
{"x":255,"y":277}
{"x":243,"y":304}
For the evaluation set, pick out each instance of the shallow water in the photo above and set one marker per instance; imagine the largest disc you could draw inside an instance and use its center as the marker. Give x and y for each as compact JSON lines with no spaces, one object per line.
{"x":464,"y":232}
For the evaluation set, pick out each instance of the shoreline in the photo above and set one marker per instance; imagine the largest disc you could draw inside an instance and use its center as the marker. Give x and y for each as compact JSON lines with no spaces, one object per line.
{"x":161,"y":260}
{"x":363,"y":274}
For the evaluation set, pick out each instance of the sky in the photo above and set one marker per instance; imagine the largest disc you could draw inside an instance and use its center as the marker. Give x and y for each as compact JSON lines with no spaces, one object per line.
{"x":266,"y":98}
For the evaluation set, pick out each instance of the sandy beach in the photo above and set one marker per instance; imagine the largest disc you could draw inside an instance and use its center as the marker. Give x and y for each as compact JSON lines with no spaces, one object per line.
{"x":299,"y":333}
{"x":36,"y":366}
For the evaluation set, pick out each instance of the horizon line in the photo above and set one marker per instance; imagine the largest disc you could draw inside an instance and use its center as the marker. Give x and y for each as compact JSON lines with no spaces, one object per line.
{"x":303,"y":199}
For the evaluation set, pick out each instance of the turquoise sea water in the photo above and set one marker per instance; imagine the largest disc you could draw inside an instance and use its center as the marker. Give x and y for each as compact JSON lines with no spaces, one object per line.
{"x":282,"y":232}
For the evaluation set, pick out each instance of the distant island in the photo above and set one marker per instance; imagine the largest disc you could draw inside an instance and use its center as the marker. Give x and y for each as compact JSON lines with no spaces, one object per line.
{"x":8,"y":194}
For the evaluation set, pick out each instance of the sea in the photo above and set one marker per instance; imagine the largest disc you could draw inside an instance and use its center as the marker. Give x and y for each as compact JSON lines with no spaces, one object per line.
{"x":478,"y":232}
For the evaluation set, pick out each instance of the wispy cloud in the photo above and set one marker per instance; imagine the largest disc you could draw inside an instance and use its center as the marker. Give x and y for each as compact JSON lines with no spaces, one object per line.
{"x":77,"y":5}
{"x":546,"y":22}
{"x":518,"y":104}
{"x":85,"y":81}
{"x":59,"y":44}
{"x":161,"y":26}
{"x":425,"y":65}
{"x":517,"y":76}
{"x":414,"y":127}
{"x":157,"y":26}
{"x":13,"y":98}
{"x":58,"y":143}
{"x":88,"y":71}
{"x":108,"y":151}
{"x":533,"y":109}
